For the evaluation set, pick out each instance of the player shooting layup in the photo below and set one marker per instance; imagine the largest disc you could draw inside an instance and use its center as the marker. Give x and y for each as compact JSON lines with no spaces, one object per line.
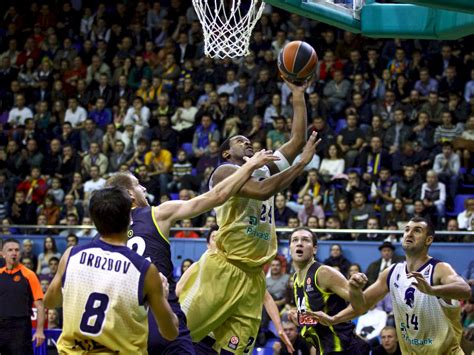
{"x":224,"y":294}
{"x":149,"y":231}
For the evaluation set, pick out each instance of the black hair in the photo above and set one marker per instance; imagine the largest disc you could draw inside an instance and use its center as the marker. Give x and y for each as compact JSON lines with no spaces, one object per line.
{"x":110,"y":210}
{"x":430,"y":229}
{"x":10,"y":240}
{"x":212,"y":229}
{"x":53,"y":258}
{"x":313,"y":235}
{"x":224,"y":146}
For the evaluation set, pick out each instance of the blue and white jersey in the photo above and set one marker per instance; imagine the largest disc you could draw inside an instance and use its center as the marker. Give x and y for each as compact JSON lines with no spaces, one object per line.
{"x":425,"y":324}
{"x":103,"y":300}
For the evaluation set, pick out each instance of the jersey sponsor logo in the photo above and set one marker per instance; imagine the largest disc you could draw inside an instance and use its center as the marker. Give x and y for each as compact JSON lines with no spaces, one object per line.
{"x":305,"y":319}
{"x":410,"y":296}
{"x":233,"y":342}
{"x":16,"y":278}
{"x":416,"y":341}
{"x":104,"y":263}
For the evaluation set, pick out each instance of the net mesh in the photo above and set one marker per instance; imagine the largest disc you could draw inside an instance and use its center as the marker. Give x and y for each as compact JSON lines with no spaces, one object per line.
{"x":227,"y":25}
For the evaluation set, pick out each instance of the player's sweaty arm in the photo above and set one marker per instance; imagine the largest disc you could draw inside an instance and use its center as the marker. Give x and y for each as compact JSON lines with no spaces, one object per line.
{"x":272,"y":310}
{"x":156,"y":296}
{"x":447,"y":283}
{"x":172,"y":211}
{"x":54,"y":297}
{"x":298,"y":127}
{"x":264,"y":189}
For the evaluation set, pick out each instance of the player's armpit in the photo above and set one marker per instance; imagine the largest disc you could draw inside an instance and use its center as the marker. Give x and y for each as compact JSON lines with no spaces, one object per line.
{"x":164,"y":316}
{"x":53,"y":297}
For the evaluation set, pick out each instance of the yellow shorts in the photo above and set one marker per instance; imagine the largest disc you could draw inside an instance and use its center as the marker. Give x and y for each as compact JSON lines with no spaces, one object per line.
{"x":221,"y":298}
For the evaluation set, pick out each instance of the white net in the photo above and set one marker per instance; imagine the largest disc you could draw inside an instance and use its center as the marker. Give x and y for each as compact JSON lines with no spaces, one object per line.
{"x":228,"y":25}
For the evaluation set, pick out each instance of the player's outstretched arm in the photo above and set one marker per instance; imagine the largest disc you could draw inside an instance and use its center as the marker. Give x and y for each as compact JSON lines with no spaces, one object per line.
{"x":298,"y":128}
{"x":156,"y":296}
{"x":332,"y":280}
{"x":172,"y":211}
{"x":447,"y":283}
{"x":264,"y":189}
{"x":54,"y":297}
{"x":272,"y":310}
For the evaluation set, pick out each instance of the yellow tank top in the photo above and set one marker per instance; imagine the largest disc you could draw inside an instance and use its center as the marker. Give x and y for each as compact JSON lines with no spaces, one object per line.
{"x":246,"y":233}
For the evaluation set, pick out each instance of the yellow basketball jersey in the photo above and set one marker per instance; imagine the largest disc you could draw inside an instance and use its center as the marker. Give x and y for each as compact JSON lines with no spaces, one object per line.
{"x":246,"y":233}
{"x":103,"y":305}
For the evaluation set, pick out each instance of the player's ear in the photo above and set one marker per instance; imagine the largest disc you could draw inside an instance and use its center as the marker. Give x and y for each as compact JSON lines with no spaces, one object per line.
{"x":429,"y":240}
{"x":226,"y":154}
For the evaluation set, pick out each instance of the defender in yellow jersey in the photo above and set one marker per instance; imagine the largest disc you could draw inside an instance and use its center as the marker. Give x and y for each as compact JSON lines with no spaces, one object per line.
{"x":424,"y":293}
{"x":224,"y":294}
{"x":105,"y":286}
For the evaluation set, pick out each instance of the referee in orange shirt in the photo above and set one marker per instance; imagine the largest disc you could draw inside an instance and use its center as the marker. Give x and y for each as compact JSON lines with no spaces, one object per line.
{"x":19,"y":289}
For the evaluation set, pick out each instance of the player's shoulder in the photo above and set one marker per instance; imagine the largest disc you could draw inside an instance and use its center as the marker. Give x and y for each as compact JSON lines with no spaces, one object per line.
{"x":221,"y":172}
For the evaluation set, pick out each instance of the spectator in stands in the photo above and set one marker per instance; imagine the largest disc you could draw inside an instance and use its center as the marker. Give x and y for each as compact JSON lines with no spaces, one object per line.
{"x":71,"y":220}
{"x":282,"y":212}
{"x":370,"y":324}
{"x":53,"y":319}
{"x":343,"y":209}
{"x":423,"y":132}
{"x":433,"y":107}
{"x":181,"y":168}
{"x":388,"y":257}
{"x":205,"y":132}
{"x":350,"y":140}
{"x":71,"y":207}
{"x":186,"y":223}
{"x":360,"y":212}
{"x":298,"y":342}
{"x":409,"y":187}
{"x":96,"y":182}
{"x":372,"y":223}
{"x":19,"y":113}
{"x":332,"y":165}
{"x":398,"y":133}
{"x":51,"y":165}
{"x":433,"y":195}
{"x":165,"y":134}
{"x":310,"y":208}
{"x":355,"y":184}
{"x":389,"y":344}
{"x":90,"y":134}
{"x":447,"y":165}
{"x":386,"y":109}
{"x":49,"y":251}
{"x":117,"y":157}
{"x":71,"y":240}
{"x":383,"y":191}
{"x":337,"y":259}
{"x":398,"y":213}
{"x":75,"y":114}
{"x":336,"y":92}
{"x":94,"y":158}
{"x":159,"y":162}
{"x":372,"y":159}
{"x":447,"y":131}
{"x":265,"y":87}
{"x":138,"y":115}
{"x":426,"y":84}
{"x":32,"y":156}
{"x":53,"y":264}
{"x":465,"y":217}
{"x":41,"y":221}
{"x":277,"y":283}
{"x":50,"y":210}
{"x":184,"y":117}
{"x":87,"y":232}
{"x":27,"y":252}
{"x":333,"y":222}
{"x":22,"y":212}
{"x":101,"y":115}
{"x":278,"y":136}
{"x":353,"y":269}
{"x":34,"y":187}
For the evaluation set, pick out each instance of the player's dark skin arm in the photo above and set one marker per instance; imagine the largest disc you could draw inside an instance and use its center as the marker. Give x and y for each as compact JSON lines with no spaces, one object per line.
{"x":298,"y":127}
{"x":54,"y":297}
{"x":157,"y":299}
{"x":264,"y":189}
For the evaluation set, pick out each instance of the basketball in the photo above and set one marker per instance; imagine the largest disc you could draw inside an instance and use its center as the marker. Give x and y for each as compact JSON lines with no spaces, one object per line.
{"x":297,"y":61}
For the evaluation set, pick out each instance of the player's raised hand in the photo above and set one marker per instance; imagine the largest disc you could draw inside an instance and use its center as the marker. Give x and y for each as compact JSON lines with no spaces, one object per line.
{"x":358,"y":281}
{"x":309,"y":148}
{"x":293,"y":316}
{"x":261,"y":158}
{"x":166,"y":285}
{"x":420,"y":282}
{"x":297,"y":88}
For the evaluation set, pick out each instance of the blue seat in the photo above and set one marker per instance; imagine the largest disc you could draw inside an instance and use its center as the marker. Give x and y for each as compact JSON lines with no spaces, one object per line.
{"x":174,"y":196}
{"x":459,"y":203}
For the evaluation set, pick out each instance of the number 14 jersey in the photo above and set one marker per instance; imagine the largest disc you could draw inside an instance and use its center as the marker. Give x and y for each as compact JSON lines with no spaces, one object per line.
{"x":103,"y":301}
{"x":425,"y":324}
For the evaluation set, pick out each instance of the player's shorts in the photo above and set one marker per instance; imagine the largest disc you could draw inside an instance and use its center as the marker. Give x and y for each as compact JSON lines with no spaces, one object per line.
{"x":158,"y":345}
{"x":221,"y":298}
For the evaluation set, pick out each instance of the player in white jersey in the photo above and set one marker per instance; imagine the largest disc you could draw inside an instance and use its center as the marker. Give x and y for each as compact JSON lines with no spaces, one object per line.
{"x":424,"y":292}
{"x":106,"y":287}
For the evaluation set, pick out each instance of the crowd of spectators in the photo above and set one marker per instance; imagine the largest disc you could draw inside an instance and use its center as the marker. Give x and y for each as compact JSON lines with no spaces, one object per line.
{"x":87,"y":90}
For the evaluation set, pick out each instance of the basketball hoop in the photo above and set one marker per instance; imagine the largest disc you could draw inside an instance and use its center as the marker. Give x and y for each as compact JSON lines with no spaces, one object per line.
{"x":227,"y":25}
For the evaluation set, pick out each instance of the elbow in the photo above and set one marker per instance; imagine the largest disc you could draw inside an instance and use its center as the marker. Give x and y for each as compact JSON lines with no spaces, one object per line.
{"x":468,"y":292}
{"x":171,"y":334}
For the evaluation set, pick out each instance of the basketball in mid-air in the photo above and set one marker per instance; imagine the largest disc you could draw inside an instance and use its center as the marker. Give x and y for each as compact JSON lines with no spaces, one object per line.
{"x":297,"y":62}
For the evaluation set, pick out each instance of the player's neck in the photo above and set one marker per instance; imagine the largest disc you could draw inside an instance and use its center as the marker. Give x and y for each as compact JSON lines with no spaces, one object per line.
{"x":119,"y":239}
{"x":414,"y":262}
{"x":302,"y":269}
{"x":237,"y":161}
